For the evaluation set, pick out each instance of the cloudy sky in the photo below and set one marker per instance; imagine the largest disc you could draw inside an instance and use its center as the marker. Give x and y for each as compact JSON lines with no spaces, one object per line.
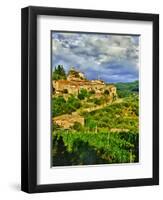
{"x":112,"y":58}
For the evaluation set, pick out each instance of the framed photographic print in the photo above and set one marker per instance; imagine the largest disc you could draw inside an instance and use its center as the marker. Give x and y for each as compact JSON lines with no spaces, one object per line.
{"x":90,"y":99}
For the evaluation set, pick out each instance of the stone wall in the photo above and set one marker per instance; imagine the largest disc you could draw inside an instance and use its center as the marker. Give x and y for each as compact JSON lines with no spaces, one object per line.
{"x":74,"y":87}
{"x":67,"y":121}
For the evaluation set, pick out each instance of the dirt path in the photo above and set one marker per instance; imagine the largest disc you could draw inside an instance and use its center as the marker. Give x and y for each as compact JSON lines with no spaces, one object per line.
{"x":68,"y":120}
{"x":97,"y":107}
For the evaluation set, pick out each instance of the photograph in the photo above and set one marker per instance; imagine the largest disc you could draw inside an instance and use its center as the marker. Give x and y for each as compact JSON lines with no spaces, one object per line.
{"x":90,"y":99}
{"x":94,"y":98}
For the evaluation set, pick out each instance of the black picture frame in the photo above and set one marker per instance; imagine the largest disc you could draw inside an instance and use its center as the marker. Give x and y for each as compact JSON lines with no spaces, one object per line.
{"x":29,"y":99}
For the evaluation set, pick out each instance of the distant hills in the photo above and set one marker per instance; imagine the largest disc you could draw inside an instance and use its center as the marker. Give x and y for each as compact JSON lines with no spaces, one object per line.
{"x":126,"y":89}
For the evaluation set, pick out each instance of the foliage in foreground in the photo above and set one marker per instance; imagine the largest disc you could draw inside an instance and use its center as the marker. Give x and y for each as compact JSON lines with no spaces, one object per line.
{"x":96,"y":142}
{"x":87,"y":148}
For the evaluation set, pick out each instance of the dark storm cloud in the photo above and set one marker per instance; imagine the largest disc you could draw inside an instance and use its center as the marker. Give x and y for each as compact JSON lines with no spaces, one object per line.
{"x":113,"y":58}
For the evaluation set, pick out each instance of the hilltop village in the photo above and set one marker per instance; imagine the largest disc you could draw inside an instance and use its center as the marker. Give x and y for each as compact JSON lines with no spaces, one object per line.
{"x":76,"y":81}
{"x":71,"y":86}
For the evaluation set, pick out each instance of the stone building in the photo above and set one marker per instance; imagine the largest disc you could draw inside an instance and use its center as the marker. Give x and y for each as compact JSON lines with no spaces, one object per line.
{"x":66,"y":121}
{"x":77,"y":81}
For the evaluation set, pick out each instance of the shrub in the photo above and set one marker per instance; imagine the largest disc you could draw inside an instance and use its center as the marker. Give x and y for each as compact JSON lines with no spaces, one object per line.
{"x":98,"y":101}
{"x":73,"y":104}
{"x":77,"y":126}
{"x":58,"y":106}
{"x":61,"y":106}
{"x":83,"y":94}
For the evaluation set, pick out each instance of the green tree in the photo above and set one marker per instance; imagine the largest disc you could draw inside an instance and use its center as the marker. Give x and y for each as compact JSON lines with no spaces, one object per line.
{"x":72,"y":104}
{"x":83,"y":94}
{"x":58,"y":106}
{"x":77,"y":126}
{"x":59,"y":73}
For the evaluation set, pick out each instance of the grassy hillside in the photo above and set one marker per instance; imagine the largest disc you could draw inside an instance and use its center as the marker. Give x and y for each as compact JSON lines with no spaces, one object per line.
{"x":110,"y":135}
{"x":126,"y":89}
{"x":118,"y":115}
